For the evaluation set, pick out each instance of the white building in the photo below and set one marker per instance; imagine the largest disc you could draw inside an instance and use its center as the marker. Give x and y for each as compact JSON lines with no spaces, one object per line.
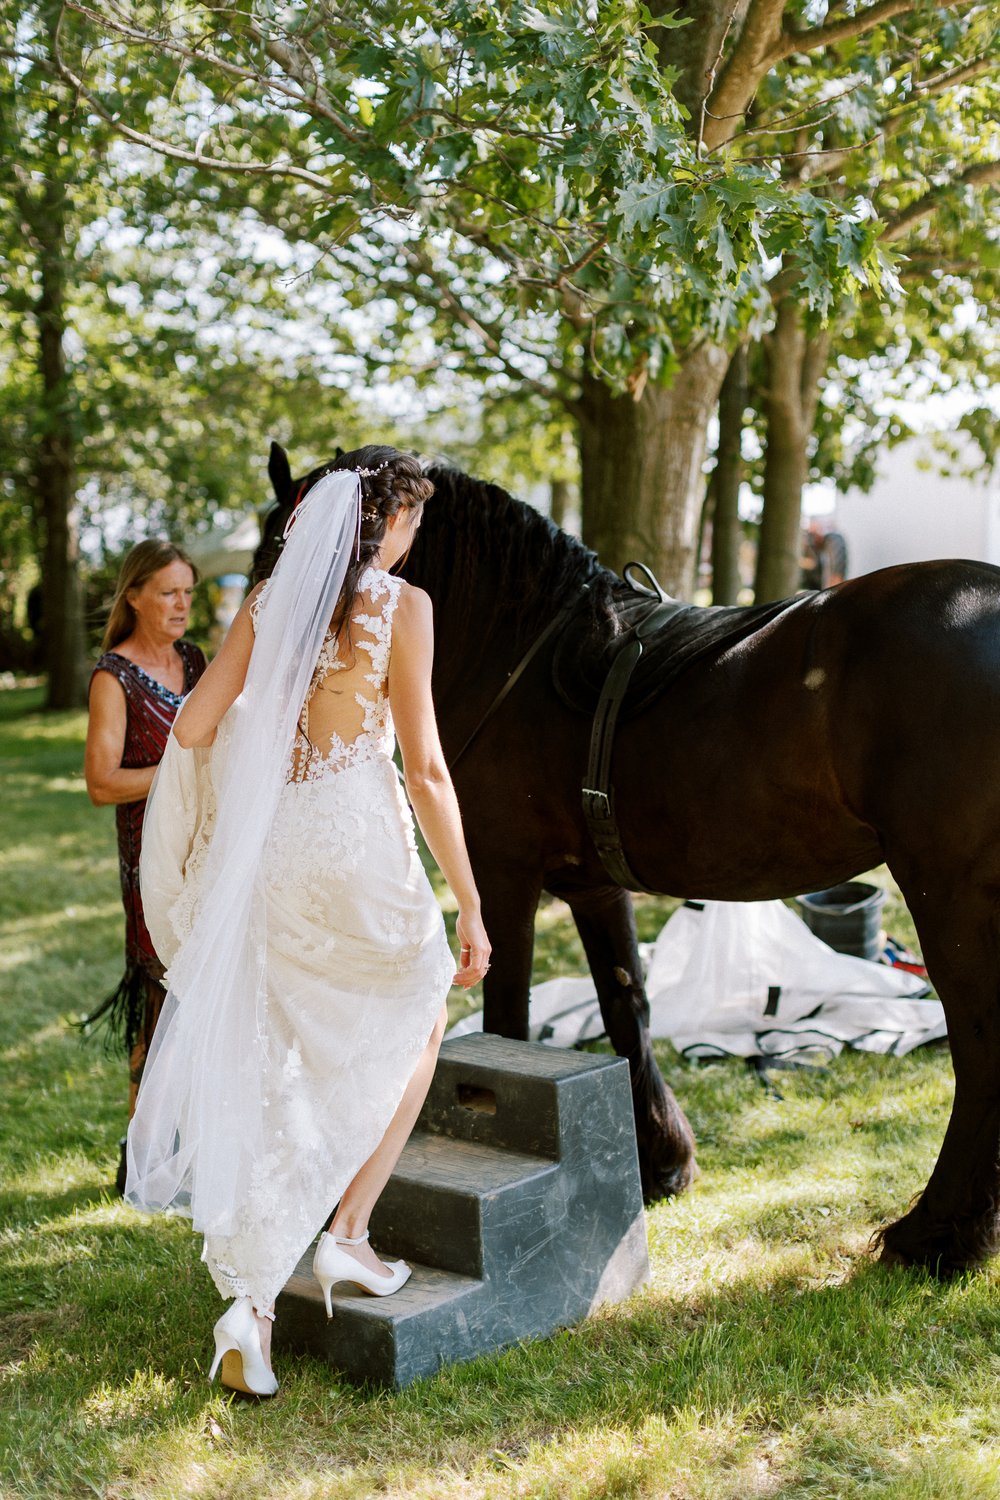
{"x":228,"y":549}
{"x":914,"y":512}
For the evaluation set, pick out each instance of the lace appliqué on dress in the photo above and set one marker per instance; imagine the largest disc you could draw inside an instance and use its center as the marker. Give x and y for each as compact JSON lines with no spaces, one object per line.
{"x":375,"y":736}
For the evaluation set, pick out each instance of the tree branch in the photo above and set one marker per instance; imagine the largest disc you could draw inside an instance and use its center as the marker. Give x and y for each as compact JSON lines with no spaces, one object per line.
{"x":190,"y":158}
{"x":894,"y":122}
{"x":490,"y":336}
{"x":814,"y":37}
{"x":764,"y":41}
{"x":980,"y":174}
{"x":313,"y":99}
{"x":960,"y":74}
{"x":918,"y":268}
{"x":743,"y":70}
{"x":710,"y":80}
{"x":310,"y":103}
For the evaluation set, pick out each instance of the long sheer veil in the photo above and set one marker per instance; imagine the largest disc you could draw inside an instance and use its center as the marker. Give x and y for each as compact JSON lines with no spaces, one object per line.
{"x":197,"y":1131}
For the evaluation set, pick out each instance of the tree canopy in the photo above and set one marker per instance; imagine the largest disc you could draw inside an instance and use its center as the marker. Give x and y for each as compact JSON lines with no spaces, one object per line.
{"x":541,"y":151}
{"x":581,"y":209}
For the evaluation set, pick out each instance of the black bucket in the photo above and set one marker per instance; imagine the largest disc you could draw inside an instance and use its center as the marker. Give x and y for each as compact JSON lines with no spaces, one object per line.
{"x":846,"y":917}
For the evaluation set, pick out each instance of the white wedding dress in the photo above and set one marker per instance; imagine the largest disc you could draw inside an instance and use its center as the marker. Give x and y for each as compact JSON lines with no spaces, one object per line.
{"x":352,"y":954}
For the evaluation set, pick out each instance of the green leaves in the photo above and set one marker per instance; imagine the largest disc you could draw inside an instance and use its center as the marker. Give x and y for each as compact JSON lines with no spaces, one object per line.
{"x":545,"y":144}
{"x":641,"y":204}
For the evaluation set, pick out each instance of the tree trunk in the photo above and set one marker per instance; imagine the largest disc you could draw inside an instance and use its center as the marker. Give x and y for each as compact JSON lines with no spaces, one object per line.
{"x":54,"y":469}
{"x":726,"y":481}
{"x":559,"y":498}
{"x":641,"y":481}
{"x":794,"y":366}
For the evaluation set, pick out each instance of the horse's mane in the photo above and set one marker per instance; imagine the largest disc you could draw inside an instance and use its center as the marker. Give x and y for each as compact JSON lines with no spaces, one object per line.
{"x":533,"y":566}
{"x":470,"y":524}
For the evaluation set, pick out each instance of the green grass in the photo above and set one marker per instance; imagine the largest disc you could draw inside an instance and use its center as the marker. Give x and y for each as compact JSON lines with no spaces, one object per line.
{"x":769,"y":1356}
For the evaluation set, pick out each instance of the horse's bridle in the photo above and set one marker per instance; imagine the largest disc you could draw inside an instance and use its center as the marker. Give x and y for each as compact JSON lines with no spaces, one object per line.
{"x":597,"y":793}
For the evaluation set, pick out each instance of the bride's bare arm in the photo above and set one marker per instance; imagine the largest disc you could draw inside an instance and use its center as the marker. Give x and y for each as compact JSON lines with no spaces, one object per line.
{"x":428,"y":782}
{"x":221,"y":684}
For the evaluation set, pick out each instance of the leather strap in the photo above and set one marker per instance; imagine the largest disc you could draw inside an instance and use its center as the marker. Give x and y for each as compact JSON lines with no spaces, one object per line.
{"x":598,"y":797}
{"x":518,"y":672}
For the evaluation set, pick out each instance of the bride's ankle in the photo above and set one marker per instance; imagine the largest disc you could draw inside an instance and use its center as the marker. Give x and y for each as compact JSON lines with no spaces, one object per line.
{"x":349,"y":1227}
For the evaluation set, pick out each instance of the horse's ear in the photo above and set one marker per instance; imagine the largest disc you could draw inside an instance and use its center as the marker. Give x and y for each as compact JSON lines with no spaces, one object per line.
{"x":280,"y":472}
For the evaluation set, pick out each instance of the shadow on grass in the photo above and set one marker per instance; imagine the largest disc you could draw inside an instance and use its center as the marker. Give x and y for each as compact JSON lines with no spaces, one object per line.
{"x":37,"y":746}
{"x":137,"y":1312}
{"x":41,"y":1210}
{"x":105,"y":1317}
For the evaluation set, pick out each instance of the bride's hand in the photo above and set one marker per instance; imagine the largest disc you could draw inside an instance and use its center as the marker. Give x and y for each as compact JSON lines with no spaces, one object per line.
{"x":474,"y":958}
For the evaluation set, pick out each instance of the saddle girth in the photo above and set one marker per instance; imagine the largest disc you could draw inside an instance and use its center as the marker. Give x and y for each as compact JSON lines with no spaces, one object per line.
{"x":598,"y":796}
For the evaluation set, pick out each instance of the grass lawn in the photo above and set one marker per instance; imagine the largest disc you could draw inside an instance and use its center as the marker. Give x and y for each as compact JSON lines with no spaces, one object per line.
{"x":769,"y":1356}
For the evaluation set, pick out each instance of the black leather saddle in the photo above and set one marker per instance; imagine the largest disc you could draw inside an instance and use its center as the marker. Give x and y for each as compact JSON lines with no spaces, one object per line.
{"x":674,"y":635}
{"x":658,"y":639}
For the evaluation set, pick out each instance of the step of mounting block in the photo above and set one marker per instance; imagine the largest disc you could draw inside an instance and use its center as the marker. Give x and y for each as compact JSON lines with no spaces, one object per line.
{"x":518,"y":1203}
{"x":451,"y":1203}
{"x":390,"y":1341}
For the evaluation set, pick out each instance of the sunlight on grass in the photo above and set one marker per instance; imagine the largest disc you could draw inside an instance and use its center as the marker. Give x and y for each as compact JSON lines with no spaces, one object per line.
{"x":768,"y":1357}
{"x":52,"y":921}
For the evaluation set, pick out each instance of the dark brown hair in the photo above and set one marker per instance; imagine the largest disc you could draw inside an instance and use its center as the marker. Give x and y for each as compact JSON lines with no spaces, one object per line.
{"x":398,"y":485}
{"x":144,"y":559}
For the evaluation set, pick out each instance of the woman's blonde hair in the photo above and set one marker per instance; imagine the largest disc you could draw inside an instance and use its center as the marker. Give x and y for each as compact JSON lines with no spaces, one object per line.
{"x":145,"y":559}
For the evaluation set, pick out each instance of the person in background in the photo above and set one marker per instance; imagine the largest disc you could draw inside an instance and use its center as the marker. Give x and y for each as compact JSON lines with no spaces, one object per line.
{"x":135,"y":691}
{"x":824,"y":557}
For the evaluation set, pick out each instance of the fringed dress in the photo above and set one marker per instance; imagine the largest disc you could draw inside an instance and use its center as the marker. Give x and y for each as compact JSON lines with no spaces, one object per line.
{"x":131,"y":1011}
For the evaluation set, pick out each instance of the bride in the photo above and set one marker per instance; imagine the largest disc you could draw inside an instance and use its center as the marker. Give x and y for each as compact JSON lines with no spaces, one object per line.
{"x":307,"y":958}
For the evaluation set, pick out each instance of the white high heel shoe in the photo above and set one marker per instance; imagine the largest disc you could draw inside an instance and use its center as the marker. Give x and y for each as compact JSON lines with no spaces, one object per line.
{"x":331,"y":1264}
{"x":237,"y":1347}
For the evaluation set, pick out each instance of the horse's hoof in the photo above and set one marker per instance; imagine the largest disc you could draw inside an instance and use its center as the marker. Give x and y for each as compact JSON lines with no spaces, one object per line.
{"x":942,"y":1264}
{"x":671,"y":1183}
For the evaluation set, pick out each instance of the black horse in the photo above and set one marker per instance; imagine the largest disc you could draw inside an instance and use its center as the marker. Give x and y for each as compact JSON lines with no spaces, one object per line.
{"x":812,"y":741}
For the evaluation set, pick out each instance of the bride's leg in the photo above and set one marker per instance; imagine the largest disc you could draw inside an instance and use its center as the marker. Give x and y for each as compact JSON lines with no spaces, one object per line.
{"x":264,"y":1333}
{"x":212,"y":1254}
{"x":362,"y":1193}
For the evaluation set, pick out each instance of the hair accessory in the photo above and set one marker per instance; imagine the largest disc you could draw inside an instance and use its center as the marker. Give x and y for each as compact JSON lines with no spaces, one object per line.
{"x":362,"y":474}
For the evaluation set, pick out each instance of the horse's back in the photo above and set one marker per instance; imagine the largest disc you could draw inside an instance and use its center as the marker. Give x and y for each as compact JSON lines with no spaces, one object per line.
{"x":848,"y":718}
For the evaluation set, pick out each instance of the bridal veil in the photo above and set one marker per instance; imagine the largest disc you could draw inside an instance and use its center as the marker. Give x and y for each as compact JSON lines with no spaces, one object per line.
{"x":198,"y":1127}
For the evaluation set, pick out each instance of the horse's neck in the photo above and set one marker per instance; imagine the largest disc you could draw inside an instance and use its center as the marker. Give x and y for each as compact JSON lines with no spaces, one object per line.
{"x":476,"y":646}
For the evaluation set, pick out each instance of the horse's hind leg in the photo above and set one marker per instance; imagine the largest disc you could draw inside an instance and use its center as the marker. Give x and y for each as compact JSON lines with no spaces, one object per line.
{"x":605,"y":921}
{"x":954,"y":1223}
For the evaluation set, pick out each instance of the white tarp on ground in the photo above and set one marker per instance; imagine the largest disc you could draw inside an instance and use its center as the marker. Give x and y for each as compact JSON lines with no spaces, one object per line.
{"x":748,"y":979}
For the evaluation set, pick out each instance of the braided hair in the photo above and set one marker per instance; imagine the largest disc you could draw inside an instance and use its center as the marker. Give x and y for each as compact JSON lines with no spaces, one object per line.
{"x":391,"y":481}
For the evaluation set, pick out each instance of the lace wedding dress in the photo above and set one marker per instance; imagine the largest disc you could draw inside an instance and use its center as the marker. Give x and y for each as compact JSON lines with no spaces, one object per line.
{"x":352,"y":953}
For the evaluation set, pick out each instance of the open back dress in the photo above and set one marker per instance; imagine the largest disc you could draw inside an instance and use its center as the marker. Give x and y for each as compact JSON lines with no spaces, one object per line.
{"x":356,"y":961}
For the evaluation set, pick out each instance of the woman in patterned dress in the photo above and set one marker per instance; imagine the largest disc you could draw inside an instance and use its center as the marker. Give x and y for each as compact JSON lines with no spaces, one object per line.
{"x":135,"y":692}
